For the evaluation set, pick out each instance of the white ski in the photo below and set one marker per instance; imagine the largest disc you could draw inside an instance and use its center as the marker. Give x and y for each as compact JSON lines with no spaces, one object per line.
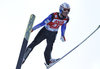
{"x":49,"y":66}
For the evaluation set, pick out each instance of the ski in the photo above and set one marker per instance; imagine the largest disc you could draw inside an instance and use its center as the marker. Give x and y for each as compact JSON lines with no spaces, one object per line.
{"x":49,"y":66}
{"x":25,"y":41}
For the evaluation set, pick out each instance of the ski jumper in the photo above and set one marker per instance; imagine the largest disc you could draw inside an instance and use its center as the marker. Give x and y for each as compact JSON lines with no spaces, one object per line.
{"x":49,"y":31}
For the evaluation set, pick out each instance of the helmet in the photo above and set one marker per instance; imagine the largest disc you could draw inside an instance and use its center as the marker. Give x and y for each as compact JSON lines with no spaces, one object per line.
{"x":63,"y":6}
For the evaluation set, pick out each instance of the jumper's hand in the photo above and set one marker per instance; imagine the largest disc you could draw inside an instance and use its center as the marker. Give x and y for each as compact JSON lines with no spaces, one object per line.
{"x":63,"y":39}
{"x":32,"y":30}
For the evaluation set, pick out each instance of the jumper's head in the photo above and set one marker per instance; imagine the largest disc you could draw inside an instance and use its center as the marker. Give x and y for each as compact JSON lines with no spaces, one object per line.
{"x":64,"y":9}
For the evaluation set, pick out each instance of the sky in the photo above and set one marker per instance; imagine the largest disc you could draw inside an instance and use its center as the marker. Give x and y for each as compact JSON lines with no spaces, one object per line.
{"x":84,"y":19}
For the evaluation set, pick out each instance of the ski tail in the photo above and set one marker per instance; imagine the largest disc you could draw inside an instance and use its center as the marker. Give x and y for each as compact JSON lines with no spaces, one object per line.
{"x":25,"y":41}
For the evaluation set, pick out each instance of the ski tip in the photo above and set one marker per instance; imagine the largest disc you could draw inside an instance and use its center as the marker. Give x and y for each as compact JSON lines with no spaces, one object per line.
{"x":33,"y":15}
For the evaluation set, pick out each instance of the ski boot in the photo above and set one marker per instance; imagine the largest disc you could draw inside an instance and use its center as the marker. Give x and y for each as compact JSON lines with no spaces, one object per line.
{"x":52,"y":62}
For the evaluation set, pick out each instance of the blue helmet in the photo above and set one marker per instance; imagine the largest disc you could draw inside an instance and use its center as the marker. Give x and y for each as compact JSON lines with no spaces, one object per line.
{"x":63,"y":6}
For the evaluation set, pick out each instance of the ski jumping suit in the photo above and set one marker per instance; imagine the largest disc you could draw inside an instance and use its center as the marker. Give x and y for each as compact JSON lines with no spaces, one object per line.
{"x":49,"y":32}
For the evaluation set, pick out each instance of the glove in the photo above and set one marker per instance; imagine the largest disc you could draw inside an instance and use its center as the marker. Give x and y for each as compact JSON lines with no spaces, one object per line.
{"x":32,"y":30}
{"x":63,"y":39}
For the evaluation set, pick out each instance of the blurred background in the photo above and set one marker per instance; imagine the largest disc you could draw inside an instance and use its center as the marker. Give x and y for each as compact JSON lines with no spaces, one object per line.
{"x":84,"y":19}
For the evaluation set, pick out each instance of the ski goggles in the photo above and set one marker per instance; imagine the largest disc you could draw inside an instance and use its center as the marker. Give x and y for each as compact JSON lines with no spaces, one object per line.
{"x":65,"y":10}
